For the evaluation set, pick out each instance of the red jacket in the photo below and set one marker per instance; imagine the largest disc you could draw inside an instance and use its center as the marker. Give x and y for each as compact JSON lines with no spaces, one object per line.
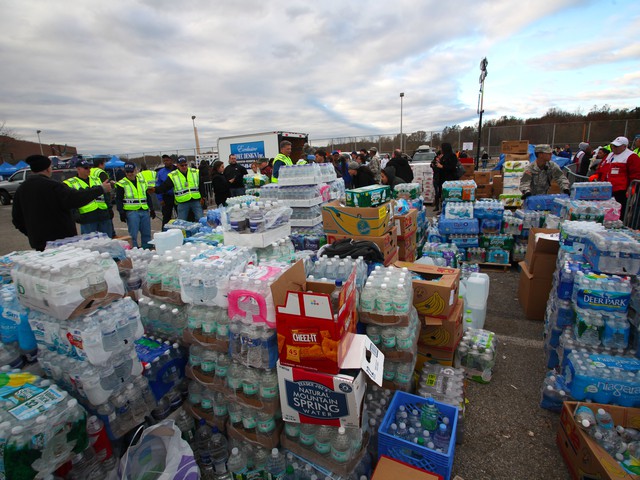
{"x":620,"y":170}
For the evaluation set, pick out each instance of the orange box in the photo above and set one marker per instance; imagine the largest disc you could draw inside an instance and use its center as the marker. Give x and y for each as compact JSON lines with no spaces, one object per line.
{"x":392,"y":469}
{"x":309,"y":335}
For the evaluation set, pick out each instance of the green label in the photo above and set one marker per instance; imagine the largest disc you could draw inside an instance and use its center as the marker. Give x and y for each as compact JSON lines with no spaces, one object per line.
{"x":339,"y":456}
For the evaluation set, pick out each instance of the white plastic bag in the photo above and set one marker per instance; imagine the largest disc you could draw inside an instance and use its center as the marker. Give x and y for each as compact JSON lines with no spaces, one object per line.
{"x":161,"y":454}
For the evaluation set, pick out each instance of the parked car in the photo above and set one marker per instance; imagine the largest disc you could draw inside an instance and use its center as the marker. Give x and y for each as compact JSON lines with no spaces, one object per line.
{"x":8,"y":187}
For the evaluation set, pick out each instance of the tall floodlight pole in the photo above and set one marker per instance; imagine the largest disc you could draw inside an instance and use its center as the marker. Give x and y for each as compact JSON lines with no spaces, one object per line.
{"x":483,"y":75}
{"x":401,"y":98}
{"x":195,"y":134}
{"x":39,"y":142}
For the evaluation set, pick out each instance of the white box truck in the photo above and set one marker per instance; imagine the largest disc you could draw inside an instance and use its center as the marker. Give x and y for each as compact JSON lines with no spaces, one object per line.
{"x":250,"y":147}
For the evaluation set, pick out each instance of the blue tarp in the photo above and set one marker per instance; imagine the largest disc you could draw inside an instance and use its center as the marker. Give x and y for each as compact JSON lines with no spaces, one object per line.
{"x":114,"y":163}
{"x":6,"y":169}
{"x":561,"y":161}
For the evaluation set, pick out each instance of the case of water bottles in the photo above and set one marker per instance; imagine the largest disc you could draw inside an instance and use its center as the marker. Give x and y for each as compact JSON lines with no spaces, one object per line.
{"x":542,"y":202}
{"x":412,"y":453}
{"x":458,"y":210}
{"x":187,"y":228}
{"x":459,"y":191}
{"x":399,"y":344}
{"x":603,"y":378}
{"x":467,"y":226}
{"x":464,"y":241}
{"x":476,"y":354}
{"x":42,"y":427}
{"x":308,"y":174}
{"x":613,"y":252}
{"x":387,"y":297}
{"x":591,"y":191}
{"x":66,"y":282}
{"x":408,"y":191}
{"x":167,"y":364}
{"x":158,"y":318}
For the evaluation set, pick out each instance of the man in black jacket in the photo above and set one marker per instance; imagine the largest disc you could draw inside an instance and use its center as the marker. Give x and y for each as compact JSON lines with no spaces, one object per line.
{"x":235,"y":173}
{"x":42,"y":206}
{"x":361,"y":176}
{"x":401,"y":164}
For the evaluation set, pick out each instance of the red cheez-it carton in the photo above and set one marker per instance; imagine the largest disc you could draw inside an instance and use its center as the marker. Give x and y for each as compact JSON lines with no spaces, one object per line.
{"x":311,"y":334}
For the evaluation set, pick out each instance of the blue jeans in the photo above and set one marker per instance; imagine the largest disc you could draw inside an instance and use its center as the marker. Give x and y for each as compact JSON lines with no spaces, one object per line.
{"x":139,"y":221}
{"x":193,"y":205}
{"x":103,"y":226}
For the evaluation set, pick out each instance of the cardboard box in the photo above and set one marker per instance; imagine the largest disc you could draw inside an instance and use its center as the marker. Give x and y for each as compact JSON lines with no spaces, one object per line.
{"x":582,"y":454}
{"x":498,"y":182}
{"x":391,"y":259}
{"x":407,"y":224}
{"x":408,"y":244}
{"x":375,"y":221}
{"x":511,"y":157}
{"x":392,"y":469}
{"x":533,"y":293}
{"x":308,"y":334}
{"x":515,"y":146}
{"x":442,"y":333}
{"x":409,"y":256}
{"x":469,"y":169}
{"x":511,"y":179}
{"x":370,"y":196}
{"x":484,"y":191}
{"x":434,"y":355}
{"x":437,"y":293}
{"x":324,"y":399}
{"x":387,"y":243}
{"x":482,"y":178}
{"x":542,"y":251}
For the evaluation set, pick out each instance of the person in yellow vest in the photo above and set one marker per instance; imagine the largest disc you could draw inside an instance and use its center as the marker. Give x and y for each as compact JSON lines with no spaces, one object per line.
{"x":283,"y":158}
{"x":188,"y":190}
{"x":97,"y":172}
{"x":636,"y":144}
{"x":148,"y":175}
{"x":94,"y":216}
{"x":134,"y":205}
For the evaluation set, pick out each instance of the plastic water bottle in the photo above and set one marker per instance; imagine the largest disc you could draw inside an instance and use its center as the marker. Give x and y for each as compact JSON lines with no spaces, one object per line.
{"x":219,"y":451}
{"x":340,"y":447}
{"x":237,"y":463}
{"x":322,"y":441}
{"x":384,"y":304}
{"x":307,"y":435}
{"x":604,"y":419}
{"x":430,"y":414}
{"x":442,"y":437}
{"x":276,"y":466}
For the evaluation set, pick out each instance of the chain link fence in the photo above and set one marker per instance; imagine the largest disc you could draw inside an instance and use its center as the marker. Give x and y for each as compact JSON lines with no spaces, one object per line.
{"x":555,"y":134}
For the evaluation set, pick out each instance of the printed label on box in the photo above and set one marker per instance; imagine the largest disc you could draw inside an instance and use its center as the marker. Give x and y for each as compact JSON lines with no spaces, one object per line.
{"x":316,"y":400}
{"x":601,"y":300}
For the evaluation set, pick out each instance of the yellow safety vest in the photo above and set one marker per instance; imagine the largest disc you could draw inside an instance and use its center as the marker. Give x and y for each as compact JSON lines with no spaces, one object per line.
{"x":79,"y":184}
{"x":134,"y":198}
{"x":95,"y":172}
{"x":185,"y":191}
{"x":149,"y":177}
{"x":281,"y":157}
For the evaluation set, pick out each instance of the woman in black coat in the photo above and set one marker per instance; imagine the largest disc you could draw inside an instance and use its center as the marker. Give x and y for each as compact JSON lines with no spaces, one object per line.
{"x":447,"y":164}
{"x":221,"y":187}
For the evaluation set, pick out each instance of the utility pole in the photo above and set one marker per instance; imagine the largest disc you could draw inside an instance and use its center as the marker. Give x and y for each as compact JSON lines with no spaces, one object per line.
{"x":483,"y":75}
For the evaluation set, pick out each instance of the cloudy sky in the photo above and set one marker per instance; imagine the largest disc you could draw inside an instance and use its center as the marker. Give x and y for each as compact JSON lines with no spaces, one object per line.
{"x":125,"y":76}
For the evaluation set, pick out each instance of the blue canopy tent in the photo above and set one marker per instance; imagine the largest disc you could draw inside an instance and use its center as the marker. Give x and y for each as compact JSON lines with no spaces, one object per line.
{"x":6,"y":169}
{"x":114,"y":163}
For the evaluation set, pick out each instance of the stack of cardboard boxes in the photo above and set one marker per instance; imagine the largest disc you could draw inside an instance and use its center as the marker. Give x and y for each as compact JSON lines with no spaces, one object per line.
{"x":407,"y":228}
{"x":375,"y":224}
{"x":484,"y":184}
{"x":536,"y":272}
{"x":435,"y":297}
{"x":516,"y":159}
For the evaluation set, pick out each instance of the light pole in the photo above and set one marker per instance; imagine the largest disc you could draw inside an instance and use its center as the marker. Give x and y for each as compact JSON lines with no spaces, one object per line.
{"x":483,"y":75}
{"x":39,"y":142}
{"x":401,"y":98}
{"x":195,"y":134}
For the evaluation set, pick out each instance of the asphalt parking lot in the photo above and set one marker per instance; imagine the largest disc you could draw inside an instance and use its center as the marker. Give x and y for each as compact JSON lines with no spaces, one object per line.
{"x":507,"y":435}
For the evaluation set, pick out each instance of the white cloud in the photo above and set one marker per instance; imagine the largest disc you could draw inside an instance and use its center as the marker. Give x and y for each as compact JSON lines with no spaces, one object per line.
{"x":125,"y":76}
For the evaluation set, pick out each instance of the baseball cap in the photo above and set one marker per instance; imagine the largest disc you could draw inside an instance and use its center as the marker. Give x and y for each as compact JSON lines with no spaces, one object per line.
{"x":335,"y":152}
{"x":373,"y":149}
{"x":182,"y":160}
{"x":129,"y":167}
{"x":83,"y":164}
{"x":543,"y":148}
{"x":619,"y":141}
{"x":311,"y":158}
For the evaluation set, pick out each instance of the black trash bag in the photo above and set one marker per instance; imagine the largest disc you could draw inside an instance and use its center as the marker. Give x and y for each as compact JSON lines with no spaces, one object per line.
{"x":354,"y":249}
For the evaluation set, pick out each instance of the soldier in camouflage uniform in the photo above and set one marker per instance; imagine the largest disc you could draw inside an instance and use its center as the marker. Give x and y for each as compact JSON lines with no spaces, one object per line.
{"x":538,"y":175}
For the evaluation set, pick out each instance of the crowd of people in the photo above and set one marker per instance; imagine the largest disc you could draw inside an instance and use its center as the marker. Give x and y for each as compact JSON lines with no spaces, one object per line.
{"x":45,"y":209}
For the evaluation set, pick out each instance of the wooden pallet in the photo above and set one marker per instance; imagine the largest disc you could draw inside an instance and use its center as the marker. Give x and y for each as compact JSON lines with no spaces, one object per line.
{"x":496,"y":266}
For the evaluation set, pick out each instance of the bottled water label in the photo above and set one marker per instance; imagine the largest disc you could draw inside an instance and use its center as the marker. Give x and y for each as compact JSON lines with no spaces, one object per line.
{"x":340,"y":456}
{"x":249,"y":422}
{"x":269,"y":392}
{"x":220,"y":410}
{"x":267,"y":426}
{"x":306,"y":438}
{"x":322,"y":448}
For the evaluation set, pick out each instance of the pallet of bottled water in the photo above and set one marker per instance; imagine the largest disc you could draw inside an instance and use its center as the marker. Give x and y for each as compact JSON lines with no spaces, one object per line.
{"x":297,"y":196}
{"x":603,"y":378}
{"x":337,"y":450}
{"x":399,"y":344}
{"x":432,"y":447}
{"x":164,"y":320}
{"x":613,"y":252}
{"x":66,"y":282}
{"x":41,"y":428}
{"x":306,"y":217}
{"x":258,"y":224}
{"x":207,"y":327}
{"x":308,"y":174}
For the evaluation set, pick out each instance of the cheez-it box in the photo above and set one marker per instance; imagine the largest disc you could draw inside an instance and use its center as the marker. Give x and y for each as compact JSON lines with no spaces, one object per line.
{"x":311,"y":334}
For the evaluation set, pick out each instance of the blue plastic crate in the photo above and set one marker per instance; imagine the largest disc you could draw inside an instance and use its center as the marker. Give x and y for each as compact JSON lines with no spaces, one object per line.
{"x":412,"y":453}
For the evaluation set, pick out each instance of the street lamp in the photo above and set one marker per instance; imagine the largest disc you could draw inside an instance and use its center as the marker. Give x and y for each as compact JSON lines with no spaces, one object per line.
{"x":39,"y":142}
{"x":195,"y":133}
{"x":401,"y":98}
{"x":483,"y":75}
